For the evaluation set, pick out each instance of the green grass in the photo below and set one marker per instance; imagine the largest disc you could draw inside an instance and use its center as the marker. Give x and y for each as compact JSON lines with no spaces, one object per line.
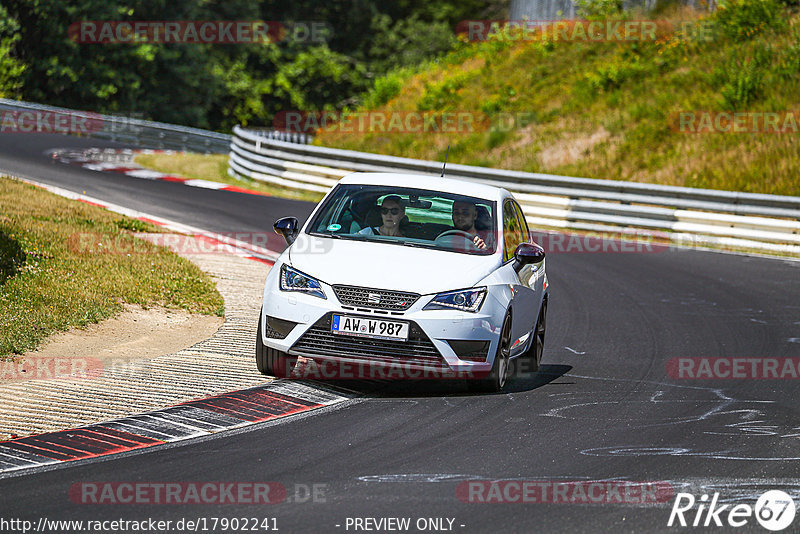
{"x":605,"y":109}
{"x":51,"y":281}
{"x":214,"y":167}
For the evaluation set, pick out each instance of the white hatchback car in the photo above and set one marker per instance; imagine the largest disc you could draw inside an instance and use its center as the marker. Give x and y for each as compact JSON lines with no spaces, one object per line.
{"x":428,"y":276}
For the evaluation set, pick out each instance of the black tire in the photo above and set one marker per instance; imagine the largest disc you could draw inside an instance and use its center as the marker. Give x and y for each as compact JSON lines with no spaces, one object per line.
{"x":262,"y":361}
{"x":533,"y":356}
{"x":272,"y":362}
{"x":496,"y":379}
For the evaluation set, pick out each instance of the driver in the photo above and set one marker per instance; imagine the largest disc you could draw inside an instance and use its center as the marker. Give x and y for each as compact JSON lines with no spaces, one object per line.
{"x":465,"y":214}
{"x":392,"y":213}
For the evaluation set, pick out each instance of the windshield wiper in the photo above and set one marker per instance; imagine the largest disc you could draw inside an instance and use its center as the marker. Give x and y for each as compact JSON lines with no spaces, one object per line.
{"x":417,"y":245}
{"x":353,"y":237}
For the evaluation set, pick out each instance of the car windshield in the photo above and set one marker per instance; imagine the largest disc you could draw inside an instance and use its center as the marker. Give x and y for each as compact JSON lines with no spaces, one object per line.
{"x":409,"y":217}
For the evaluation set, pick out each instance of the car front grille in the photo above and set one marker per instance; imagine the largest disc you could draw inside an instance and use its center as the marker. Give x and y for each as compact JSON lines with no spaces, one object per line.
{"x":319,"y":341}
{"x":379,"y":299}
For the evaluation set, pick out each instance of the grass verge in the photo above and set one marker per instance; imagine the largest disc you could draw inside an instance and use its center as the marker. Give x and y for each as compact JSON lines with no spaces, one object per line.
{"x":55,"y":277}
{"x":214,"y":167}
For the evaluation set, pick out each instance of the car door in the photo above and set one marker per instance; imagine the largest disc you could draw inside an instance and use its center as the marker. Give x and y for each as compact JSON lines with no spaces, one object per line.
{"x":523,"y":302}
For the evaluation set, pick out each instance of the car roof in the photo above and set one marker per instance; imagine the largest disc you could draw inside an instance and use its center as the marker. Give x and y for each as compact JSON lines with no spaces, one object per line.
{"x":425,"y":181}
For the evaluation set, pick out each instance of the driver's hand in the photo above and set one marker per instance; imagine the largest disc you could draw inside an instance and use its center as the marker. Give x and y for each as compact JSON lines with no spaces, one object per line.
{"x":478,"y":242}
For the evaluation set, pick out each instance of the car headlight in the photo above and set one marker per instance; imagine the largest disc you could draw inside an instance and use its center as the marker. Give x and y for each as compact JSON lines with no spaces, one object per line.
{"x":294,"y":280}
{"x":468,"y":300}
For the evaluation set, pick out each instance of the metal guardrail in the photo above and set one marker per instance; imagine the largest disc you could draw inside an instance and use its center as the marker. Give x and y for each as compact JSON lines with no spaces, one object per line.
{"x":682,"y":214}
{"x":279,"y":135}
{"x":128,"y":129}
{"x":147,"y":134}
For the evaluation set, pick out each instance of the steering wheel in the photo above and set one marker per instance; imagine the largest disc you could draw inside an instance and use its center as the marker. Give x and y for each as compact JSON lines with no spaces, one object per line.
{"x":460,"y":233}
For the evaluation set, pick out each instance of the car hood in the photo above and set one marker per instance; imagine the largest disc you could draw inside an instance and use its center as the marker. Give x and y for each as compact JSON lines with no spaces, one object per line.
{"x":386,"y":266}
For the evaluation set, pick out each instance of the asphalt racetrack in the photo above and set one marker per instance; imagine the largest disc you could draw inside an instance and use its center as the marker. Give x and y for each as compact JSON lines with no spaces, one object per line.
{"x":608,"y":405}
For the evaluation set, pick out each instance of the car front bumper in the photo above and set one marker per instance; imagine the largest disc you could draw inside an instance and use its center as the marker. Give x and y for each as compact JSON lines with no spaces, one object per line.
{"x":427,"y":348}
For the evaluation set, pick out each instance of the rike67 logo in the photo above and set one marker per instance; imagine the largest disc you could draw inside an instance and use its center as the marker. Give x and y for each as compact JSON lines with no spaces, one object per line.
{"x":774,"y":510}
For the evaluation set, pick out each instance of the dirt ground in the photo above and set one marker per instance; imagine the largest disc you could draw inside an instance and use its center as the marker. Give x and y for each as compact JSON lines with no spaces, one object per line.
{"x":135,"y":334}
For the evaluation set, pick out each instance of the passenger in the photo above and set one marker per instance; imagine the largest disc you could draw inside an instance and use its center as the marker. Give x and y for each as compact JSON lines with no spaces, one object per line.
{"x":392,"y":212}
{"x":465,"y":214}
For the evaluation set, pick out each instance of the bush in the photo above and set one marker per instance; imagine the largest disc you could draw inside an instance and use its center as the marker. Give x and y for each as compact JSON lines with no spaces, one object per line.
{"x":599,"y":9}
{"x":499,"y":101}
{"x":11,"y":69}
{"x":742,"y":19}
{"x":789,"y":65}
{"x":741,"y":79}
{"x":407,"y":42}
{"x":744,"y":88}
{"x":438,"y":95}
{"x":12,"y":257}
{"x":496,"y":138}
{"x":385,"y":88}
{"x":133,"y":225}
{"x":612,"y":75}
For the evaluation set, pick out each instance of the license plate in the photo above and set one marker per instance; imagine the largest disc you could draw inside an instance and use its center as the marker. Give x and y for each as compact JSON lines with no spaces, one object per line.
{"x":372,"y":328}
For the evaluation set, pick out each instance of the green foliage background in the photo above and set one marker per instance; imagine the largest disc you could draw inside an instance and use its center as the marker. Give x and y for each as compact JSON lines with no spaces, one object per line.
{"x":218,"y":86}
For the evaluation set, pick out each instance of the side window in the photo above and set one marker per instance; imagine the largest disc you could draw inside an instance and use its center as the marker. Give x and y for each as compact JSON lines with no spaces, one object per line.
{"x":523,"y":224}
{"x":511,"y":230}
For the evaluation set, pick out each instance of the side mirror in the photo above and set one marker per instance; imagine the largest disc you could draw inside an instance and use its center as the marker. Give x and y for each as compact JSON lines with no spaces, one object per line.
{"x":526,"y":254}
{"x":288,"y":227}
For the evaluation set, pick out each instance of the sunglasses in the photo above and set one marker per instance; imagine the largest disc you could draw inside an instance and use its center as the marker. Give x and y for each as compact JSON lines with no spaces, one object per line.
{"x":394,"y":211}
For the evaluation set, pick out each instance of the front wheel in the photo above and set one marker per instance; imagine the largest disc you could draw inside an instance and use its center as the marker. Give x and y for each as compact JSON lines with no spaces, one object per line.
{"x":272,"y":362}
{"x":534,"y":354}
{"x":496,"y":379}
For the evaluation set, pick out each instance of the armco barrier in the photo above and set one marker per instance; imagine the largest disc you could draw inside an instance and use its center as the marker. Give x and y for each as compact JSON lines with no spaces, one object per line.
{"x":124,"y":129}
{"x":681,"y":214}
